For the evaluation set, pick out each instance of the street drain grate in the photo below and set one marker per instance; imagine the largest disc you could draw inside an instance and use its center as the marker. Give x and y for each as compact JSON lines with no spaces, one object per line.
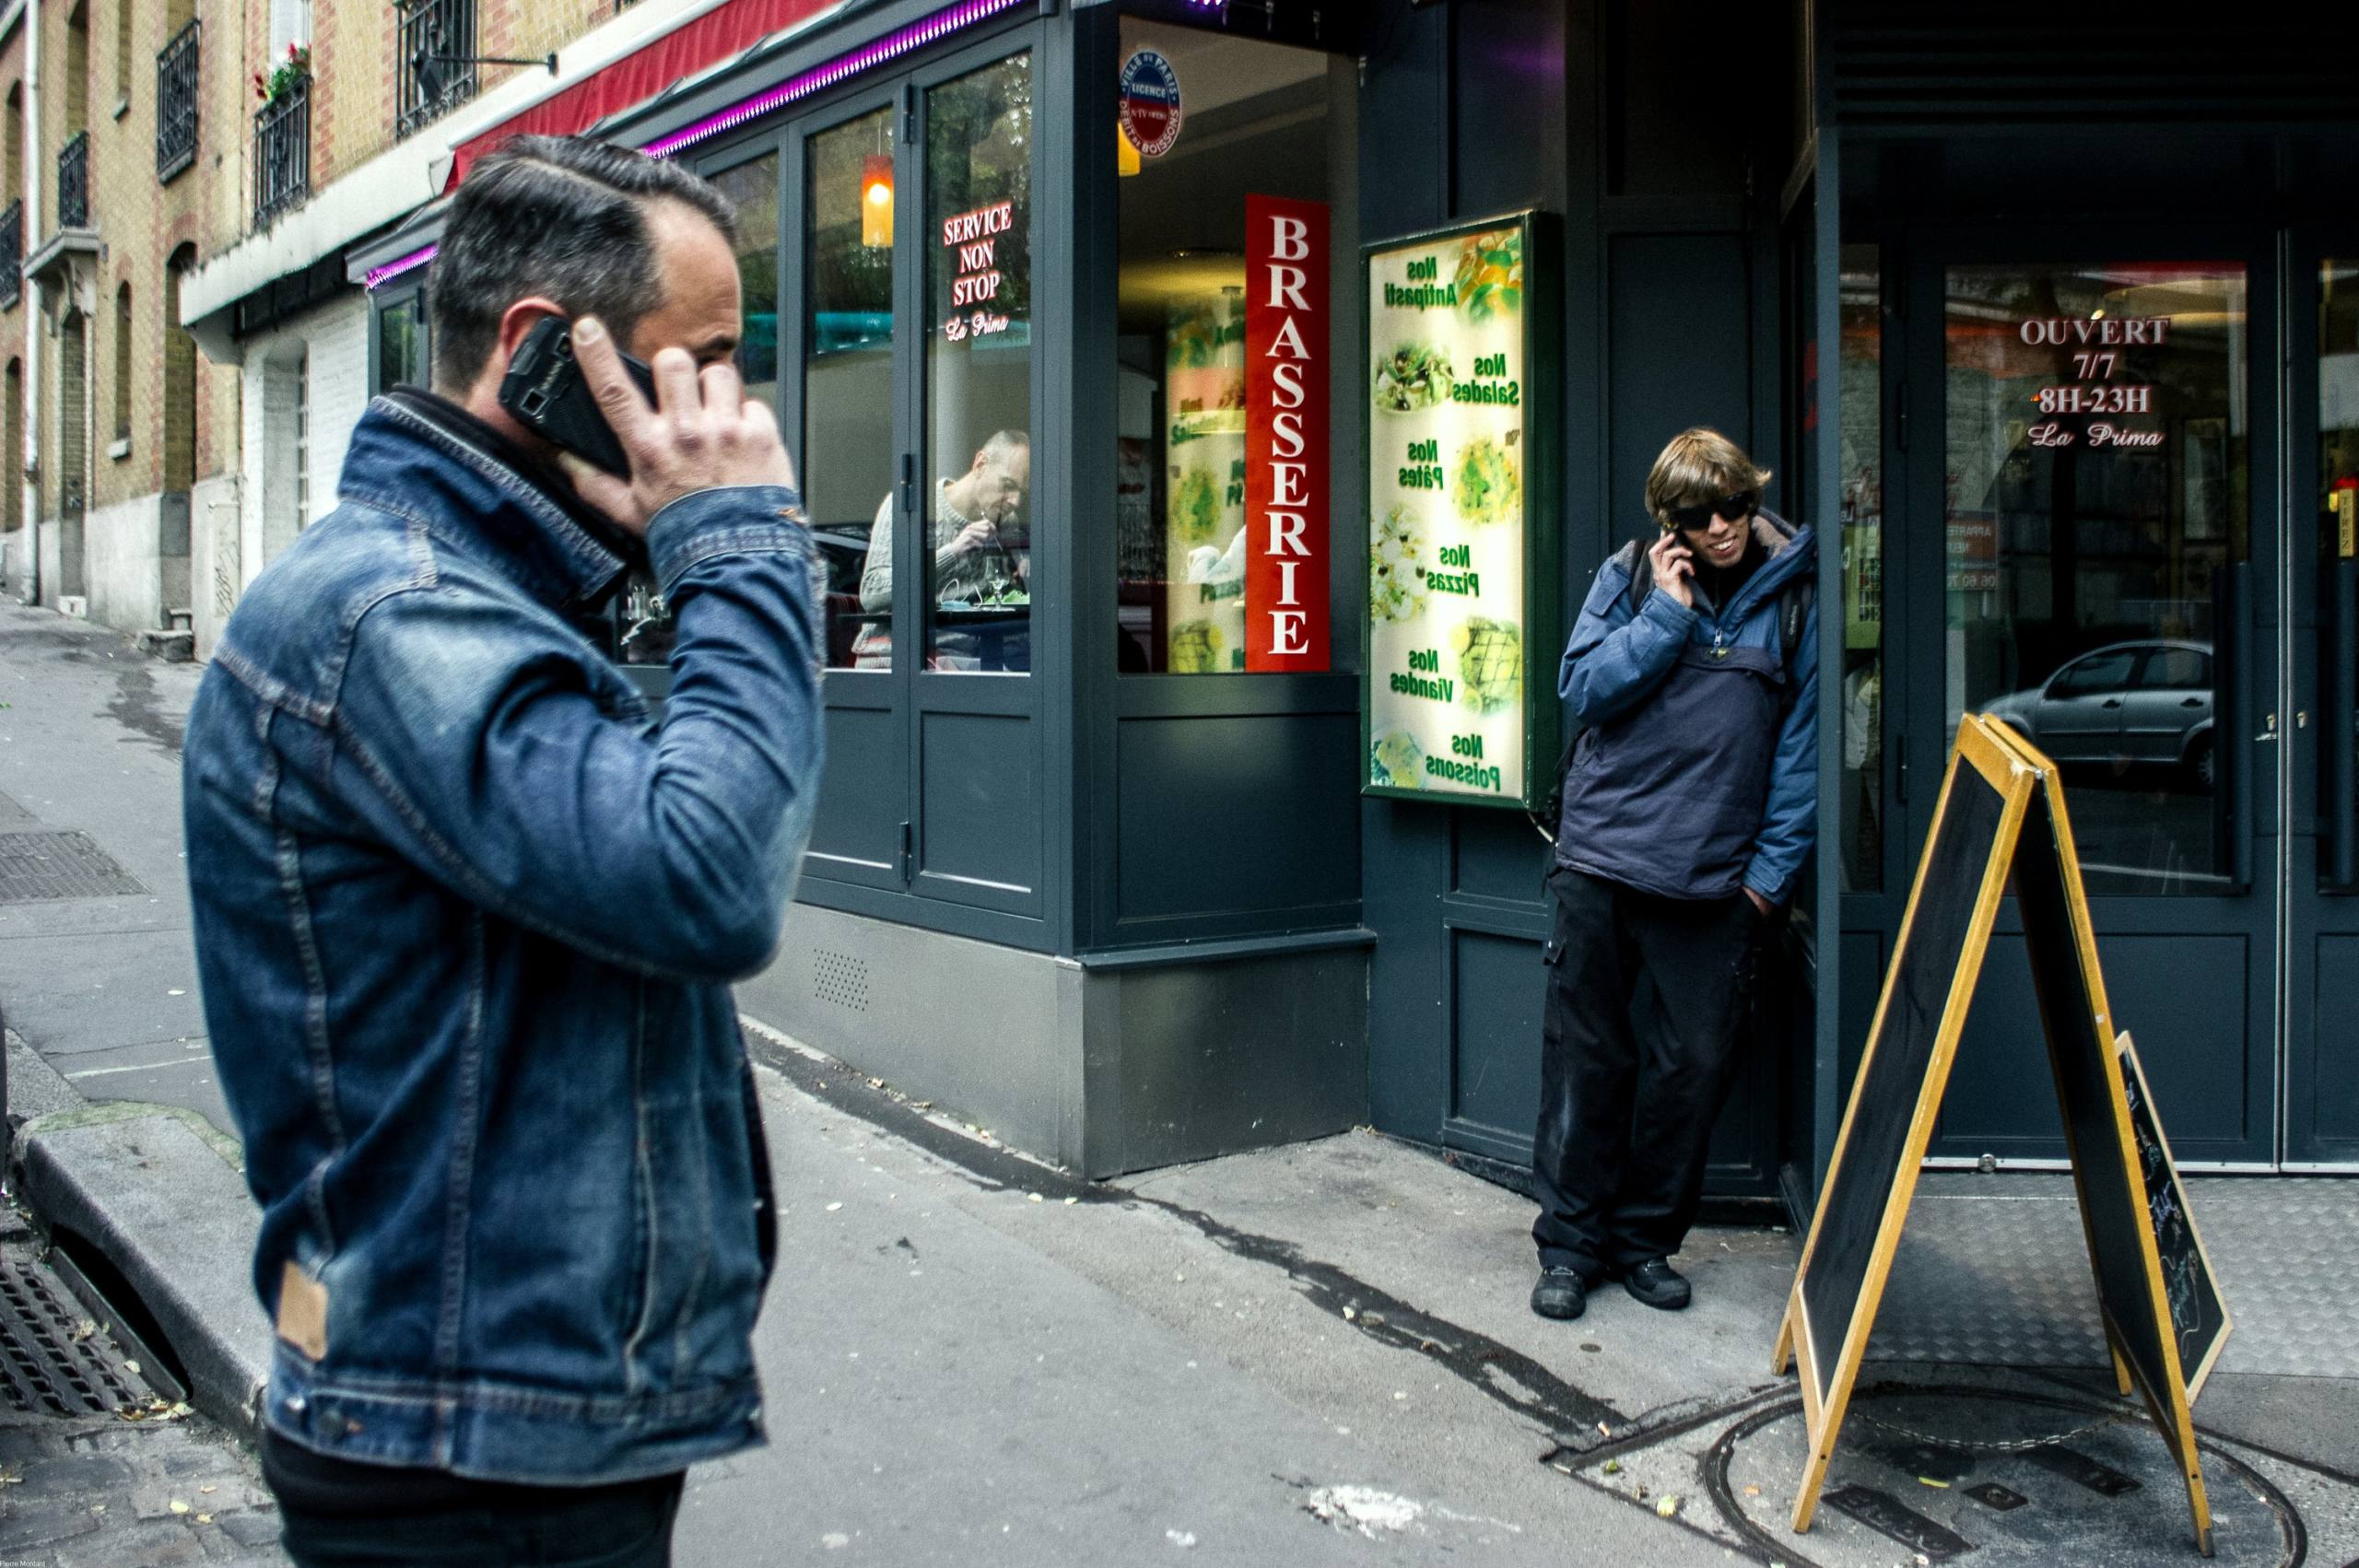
{"x":59,"y":865}
{"x":45,"y":1368}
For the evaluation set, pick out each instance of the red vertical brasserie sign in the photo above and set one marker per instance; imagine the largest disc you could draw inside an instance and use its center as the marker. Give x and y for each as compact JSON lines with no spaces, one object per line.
{"x":1286,"y":434}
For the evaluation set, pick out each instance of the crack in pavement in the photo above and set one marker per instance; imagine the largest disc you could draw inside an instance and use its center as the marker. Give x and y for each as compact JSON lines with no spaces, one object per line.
{"x":1500,"y":1372}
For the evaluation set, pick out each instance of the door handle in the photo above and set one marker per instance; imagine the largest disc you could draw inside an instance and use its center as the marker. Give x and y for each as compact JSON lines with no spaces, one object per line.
{"x":2112,"y":702}
{"x":2191,"y":702}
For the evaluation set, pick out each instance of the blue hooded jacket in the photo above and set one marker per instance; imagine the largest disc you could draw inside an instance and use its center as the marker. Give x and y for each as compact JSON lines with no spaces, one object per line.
{"x":1695,"y":775}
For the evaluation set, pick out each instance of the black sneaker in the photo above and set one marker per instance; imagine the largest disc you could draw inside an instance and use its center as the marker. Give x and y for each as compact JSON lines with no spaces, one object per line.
{"x":1561,"y":1293}
{"x":1657,"y":1284}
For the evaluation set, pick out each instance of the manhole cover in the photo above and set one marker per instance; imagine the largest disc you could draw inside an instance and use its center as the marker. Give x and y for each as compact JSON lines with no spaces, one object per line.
{"x":2109,"y":1496}
{"x":59,"y":865}
{"x":49,"y":1365}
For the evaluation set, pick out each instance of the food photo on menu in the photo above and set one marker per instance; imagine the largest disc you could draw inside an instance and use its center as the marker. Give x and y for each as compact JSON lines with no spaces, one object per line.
{"x":1446,"y":574}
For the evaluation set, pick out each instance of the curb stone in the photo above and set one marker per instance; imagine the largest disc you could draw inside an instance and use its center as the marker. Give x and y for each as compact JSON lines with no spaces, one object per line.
{"x":165,"y":1204}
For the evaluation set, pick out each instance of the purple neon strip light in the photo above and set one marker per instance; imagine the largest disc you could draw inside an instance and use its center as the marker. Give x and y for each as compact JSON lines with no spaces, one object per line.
{"x":892,"y":46}
{"x":394,"y":269}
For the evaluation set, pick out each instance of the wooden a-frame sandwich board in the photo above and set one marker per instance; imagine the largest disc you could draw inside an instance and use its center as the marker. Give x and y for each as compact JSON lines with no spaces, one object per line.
{"x":2001,"y":812}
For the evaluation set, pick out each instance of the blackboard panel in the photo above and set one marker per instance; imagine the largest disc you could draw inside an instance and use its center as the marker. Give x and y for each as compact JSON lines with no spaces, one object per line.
{"x":2199,"y":1318}
{"x":1868,"y":1167}
{"x":2080,"y":1037}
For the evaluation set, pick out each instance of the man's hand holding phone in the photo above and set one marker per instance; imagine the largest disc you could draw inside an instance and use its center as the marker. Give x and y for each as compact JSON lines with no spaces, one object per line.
{"x":703,"y":434}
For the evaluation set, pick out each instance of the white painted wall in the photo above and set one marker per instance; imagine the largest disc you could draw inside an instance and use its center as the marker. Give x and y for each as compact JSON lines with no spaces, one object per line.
{"x":135,"y":561}
{"x":214,"y":557}
{"x":317,"y":364}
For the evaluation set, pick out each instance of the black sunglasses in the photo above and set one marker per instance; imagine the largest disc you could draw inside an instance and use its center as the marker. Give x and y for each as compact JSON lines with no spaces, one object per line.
{"x":1738,"y":507}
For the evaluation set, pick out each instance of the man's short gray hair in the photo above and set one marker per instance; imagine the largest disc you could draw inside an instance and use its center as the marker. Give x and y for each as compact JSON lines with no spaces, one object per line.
{"x":563,"y":217}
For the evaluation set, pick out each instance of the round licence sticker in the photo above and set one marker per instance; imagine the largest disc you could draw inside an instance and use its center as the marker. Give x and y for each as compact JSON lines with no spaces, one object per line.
{"x":1150,"y":103}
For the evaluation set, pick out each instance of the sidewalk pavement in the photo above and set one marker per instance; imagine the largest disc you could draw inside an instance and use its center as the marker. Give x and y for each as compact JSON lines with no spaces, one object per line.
{"x":1315,"y":1354}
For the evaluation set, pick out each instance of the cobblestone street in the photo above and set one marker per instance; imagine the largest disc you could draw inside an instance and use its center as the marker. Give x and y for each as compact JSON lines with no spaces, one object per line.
{"x":144,"y":1481}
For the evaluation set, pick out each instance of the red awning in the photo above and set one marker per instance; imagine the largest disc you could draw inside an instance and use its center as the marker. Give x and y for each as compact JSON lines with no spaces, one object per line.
{"x":693,"y":46}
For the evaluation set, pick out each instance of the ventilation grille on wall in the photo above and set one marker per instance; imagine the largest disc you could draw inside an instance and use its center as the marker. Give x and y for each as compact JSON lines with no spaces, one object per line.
{"x":841,"y":978}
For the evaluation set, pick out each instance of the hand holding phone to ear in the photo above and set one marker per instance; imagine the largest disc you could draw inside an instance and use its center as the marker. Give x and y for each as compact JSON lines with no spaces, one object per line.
{"x":1674,"y":569}
{"x":702,"y":432}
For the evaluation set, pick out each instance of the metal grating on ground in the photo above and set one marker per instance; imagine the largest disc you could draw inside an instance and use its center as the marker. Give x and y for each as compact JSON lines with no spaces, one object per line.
{"x":59,"y":865}
{"x":48,"y":1365}
{"x":1995,"y":1270}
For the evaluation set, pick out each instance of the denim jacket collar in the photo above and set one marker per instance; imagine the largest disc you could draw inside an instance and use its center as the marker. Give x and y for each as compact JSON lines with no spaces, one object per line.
{"x":521,"y":508}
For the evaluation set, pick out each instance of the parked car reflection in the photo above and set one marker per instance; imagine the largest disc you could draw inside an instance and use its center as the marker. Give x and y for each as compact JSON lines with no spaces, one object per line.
{"x":2126,"y":703}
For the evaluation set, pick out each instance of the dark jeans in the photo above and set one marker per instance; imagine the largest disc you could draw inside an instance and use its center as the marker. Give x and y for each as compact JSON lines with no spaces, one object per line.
{"x":1617,"y":1161}
{"x":605,"y":1527}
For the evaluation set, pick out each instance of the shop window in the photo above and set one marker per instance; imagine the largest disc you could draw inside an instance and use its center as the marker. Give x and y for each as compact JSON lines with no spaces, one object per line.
{"x":753,"y":187}
{"x":848,"y":382}
{"x":976,"y":485}
{"x":401,"y":343}
{"x":1860,"y":507}
{"x":1256,"y":124}
{"x":2338,"y":547}
{"x":2096,"y":461}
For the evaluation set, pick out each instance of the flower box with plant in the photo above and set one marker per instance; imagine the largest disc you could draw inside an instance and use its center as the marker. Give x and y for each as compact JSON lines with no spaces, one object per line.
{"x":287,"y":75}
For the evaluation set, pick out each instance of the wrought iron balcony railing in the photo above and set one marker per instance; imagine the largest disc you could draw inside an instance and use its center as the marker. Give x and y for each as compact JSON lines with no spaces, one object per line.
{"x":74,"y":181}
{"x":12,"y":253}
{"x":437,"y":64}
{"x":176,"y":104}
{"x":283,"y":152}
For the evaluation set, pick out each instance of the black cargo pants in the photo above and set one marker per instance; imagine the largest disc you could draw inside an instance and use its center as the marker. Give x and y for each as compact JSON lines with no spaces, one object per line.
{"x":1617,"y":1161}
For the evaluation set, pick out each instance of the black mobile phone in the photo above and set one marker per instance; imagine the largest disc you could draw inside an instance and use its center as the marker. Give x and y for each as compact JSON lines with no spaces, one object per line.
{"x":543,"y":389}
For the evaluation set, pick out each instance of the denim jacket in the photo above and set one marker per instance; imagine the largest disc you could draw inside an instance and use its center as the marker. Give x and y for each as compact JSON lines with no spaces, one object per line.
{"x":1698,"y":773}
{"x":465,"y":922}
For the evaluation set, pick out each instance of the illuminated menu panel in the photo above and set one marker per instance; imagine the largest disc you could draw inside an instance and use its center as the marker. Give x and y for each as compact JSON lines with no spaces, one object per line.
{"x":1458,"y":627}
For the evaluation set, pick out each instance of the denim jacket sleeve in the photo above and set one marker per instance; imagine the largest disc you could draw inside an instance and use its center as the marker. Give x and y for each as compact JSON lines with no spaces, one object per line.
{"x":1789,"y":823}
{"x":1614,"y":658}
{"x":485,"y":757}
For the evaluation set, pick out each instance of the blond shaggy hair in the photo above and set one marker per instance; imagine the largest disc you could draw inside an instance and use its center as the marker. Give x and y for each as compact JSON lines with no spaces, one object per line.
{"x":1698,"y":466}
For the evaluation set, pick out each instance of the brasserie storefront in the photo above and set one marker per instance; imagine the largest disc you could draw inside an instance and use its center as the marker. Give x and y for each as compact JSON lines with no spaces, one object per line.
{"x":1212,"y":414}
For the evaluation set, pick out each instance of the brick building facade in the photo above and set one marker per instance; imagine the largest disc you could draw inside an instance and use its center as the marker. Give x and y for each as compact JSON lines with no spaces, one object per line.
{"x":184,"y":357}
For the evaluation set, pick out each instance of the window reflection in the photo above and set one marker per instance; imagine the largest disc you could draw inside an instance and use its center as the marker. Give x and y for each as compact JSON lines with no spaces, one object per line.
{"x":848,"y":387}
{"x":1180,"y":417}
{"x":1860,"y":506}
{"x":977,"y":239}
{"x":753,"y":186}
{"x":400,"y":345}
{"x":2338,"y":525}
{"x":2096,"y":476}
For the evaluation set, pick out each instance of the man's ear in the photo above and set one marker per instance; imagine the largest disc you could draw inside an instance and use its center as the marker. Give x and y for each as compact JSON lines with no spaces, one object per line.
{"x":519,"y":319}
{"x":981,"y":456}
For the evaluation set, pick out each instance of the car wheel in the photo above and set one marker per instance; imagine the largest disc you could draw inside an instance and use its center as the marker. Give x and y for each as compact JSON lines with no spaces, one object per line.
{"x":2199,"y":760}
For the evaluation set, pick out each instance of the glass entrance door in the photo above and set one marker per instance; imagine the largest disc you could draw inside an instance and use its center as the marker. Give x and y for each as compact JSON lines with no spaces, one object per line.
{"x":2105,"y":581}
{"x":2322,"y":873}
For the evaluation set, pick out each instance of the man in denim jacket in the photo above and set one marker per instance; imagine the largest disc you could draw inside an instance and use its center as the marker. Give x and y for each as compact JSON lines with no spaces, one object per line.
{"x":466,"y":917}
{"x":1688,"y":812}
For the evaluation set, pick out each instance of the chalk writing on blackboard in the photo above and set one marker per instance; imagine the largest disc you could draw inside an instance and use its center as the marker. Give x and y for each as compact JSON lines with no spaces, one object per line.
{"x":2197,"y":1316}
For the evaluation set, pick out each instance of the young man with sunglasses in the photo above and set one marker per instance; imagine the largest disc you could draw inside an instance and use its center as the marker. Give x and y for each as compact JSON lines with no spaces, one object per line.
{"x":1687,"y":811}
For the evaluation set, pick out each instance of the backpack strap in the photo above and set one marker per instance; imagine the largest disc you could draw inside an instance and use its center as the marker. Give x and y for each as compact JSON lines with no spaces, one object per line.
{"x":1794,"y":603}
{"x":1634,"y":559}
